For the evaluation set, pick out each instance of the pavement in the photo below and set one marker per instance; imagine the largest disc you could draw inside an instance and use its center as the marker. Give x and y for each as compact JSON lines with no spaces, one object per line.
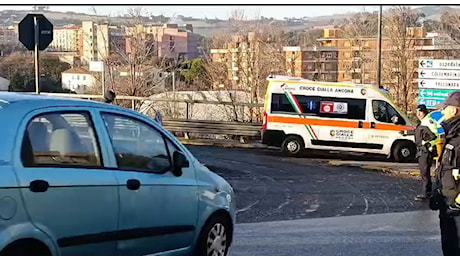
{"x":406,"y":234}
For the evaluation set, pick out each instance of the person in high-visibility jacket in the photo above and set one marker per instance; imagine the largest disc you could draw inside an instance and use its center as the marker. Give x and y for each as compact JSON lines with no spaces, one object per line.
{"x":426,"y":139}
{"x":440,"y":121}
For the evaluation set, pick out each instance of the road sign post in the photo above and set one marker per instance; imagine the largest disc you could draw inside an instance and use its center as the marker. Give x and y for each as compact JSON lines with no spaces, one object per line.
{"x":98,"y":66}
{"x":36,"y":60}
{"x":36,"y":33}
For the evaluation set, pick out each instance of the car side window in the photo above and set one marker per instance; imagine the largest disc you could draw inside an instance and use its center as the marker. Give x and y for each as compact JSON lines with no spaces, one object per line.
{"x":384,"y":112}
{"x":61,"y":139}
{"x":136,"y":145}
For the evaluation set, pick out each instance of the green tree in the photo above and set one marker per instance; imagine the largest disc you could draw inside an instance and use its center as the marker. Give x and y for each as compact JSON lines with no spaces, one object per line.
{"x":196,"y":73}
{"x":51,"y":67}
{"x":19,"y":69}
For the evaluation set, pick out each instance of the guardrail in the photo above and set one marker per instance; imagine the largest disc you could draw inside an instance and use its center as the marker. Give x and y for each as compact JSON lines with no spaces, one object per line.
{"x":133,"y":99}
{"x":185,"y":108}
{"x":213,"y":127}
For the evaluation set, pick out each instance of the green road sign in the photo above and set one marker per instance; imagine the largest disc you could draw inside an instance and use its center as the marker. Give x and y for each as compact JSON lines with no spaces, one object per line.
{"x":434,"y":93}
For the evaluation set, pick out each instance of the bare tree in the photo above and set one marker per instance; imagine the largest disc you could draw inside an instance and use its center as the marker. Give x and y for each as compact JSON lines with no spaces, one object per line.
{"x":450,"y":25}
{"x":360,"y":30}
{"x":132,"y":58}
{"x":247,"y":60}
{"x":400,"y":57}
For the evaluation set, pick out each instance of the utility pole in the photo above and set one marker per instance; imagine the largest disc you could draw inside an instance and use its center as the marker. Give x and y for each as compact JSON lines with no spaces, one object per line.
{"x":379,"y":50}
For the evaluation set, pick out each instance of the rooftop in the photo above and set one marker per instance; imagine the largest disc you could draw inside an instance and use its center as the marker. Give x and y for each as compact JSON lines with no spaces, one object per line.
{"x":77,"y":70}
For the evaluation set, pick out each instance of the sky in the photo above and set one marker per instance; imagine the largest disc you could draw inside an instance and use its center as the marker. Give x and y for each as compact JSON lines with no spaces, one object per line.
{"x":219,"y":11}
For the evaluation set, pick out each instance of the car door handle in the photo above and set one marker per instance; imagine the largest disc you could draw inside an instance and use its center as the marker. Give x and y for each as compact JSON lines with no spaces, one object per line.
{"x":39,"y":186}
{"x":372,"y":124}
{"x":360,"y":124}
{"x":133,"y":184}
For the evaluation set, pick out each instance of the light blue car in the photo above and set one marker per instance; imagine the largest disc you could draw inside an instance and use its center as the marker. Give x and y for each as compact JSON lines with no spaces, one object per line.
{"x":87,"y":178}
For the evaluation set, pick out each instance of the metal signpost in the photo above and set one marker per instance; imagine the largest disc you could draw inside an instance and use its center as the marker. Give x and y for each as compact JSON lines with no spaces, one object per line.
{"x":98,"y":66}
{"x":36,"y":33}
{"x":436,"y":79}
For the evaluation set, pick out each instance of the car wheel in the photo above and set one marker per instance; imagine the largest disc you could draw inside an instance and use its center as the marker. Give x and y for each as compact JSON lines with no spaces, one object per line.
{"x":404,"y":152}
{"x":215,"y":238}
{"x":292,"y":146}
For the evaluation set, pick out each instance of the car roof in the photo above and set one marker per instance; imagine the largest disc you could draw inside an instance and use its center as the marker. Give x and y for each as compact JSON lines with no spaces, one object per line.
{"x":29,"y":101}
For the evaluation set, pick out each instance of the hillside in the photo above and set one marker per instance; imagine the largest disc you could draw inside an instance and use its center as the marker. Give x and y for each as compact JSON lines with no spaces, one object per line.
{"x":206,"y":26}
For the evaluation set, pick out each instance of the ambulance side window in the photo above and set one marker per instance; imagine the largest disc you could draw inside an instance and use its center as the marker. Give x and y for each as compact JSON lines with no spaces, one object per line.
{"x":280,"y":103}
{"x":384,"y":112}
{"x":309,"y":104}
{"x":346,"y":108}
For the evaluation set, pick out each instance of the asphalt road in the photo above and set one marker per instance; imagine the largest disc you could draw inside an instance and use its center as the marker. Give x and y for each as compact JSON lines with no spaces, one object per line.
{"x":390,"y":234}
{"x":270,"y":187}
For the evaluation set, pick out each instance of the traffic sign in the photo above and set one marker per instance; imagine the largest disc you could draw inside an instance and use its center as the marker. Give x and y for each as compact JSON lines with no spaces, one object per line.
{"x":438,"y":74}
{"x":434,"y":93}
{"x":430,"y":103}
{"x":439,"y":84}
{"x":439,"y":64}
{"x":27,"y":31}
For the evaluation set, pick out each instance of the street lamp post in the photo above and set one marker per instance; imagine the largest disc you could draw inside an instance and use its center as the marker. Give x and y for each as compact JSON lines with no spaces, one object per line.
{"x":379,"y":50}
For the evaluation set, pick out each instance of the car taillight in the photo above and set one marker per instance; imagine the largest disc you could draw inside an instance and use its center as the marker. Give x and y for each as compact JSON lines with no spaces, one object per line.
{"x":264,"y":121}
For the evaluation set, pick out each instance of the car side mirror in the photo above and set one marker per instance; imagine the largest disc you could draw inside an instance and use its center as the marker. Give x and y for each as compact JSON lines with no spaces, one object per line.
{"x":179,"y":162}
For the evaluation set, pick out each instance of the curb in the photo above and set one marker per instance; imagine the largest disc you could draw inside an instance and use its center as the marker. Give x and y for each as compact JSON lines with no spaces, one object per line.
{"x":385,"y":169}
{"x":223,"y":144}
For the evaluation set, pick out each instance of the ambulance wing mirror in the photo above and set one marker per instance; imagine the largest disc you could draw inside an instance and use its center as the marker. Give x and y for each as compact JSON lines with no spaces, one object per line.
{"x":397,"y":120}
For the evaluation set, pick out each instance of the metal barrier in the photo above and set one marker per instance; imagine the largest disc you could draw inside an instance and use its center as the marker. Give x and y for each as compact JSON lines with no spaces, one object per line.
{"x":213,"y":127}
{"x":199,"y":127}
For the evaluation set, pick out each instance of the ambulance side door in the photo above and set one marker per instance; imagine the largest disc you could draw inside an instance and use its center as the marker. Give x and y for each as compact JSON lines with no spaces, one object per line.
{"x":385,"y":123}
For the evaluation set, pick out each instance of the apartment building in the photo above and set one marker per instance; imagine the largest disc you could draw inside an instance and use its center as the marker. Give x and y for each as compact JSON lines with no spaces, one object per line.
{"x":99,"y":41}
{"x":337,"y":58}
{"x":66,"y":39}
{"x":245,"y":59}
{"x":8,"y":36}
{"x":171,"y":40}
{"x":312,"y":63}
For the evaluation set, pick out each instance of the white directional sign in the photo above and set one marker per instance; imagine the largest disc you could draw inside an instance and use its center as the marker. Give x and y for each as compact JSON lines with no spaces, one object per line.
{"x":436,"y":79}
{"x":439,"y":64}
{"x":439,"y":84}
{"x":438,"y":74}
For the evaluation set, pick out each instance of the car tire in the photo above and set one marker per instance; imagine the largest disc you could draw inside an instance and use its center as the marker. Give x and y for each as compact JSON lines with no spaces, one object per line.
{"x":292,"y":146}
{"x":215,"y":237}
{"x":404,"y":152}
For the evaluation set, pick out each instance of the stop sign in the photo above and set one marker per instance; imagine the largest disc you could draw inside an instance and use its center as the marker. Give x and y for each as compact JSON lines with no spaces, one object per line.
{"x":27,"y":31}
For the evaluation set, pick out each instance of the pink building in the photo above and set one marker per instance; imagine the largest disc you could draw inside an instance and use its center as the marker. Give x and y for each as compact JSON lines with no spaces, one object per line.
{"x":171,"y":40}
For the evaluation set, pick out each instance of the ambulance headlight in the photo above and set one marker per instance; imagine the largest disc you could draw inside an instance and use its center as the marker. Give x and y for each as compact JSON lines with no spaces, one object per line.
{"x":408,"y":132}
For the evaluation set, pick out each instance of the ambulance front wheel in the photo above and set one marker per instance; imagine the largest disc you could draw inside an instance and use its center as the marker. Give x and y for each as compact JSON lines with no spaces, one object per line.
{"x":292,"y":145}
{"x":404,"y":151}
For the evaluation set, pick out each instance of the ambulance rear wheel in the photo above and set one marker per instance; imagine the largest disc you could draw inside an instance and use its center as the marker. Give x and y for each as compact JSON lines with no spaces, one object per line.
{"x":292,"y":145}
{"x":404,"y":152}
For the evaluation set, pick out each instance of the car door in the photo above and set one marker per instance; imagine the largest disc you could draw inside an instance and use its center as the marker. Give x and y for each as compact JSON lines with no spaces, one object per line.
{"x":385,"y":124}
{"x":158,"y":210}
{"x":66,"y":190}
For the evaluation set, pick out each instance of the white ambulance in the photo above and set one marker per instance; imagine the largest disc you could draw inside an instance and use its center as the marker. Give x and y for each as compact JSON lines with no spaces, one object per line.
{"x":302,"y":114}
